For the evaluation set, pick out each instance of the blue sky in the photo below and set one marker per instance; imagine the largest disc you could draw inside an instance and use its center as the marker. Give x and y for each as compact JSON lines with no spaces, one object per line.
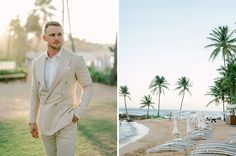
{"x":167,"y":38}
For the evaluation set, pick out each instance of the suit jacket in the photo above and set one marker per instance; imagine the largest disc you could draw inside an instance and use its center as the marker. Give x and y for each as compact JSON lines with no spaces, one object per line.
{"x":57,"y":105}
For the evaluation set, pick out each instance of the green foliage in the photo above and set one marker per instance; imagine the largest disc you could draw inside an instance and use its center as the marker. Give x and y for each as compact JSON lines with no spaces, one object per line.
{"x":224,"y":89}
{"x":157,"y":85}
{"x":223,"y":43}
{"x":146,"y":101}
{"x":101,"y":76}
{"x":124,"y":91}
{"x":13,"y":71}
{"x":183,"y":85}
{"x":6,"y":59}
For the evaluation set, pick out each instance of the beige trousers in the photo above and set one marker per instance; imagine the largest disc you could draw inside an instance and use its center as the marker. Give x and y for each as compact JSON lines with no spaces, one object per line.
{"x":62,"y":143}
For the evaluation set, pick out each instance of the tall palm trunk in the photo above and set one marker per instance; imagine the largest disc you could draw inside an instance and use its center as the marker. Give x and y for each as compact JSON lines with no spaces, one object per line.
{"x":127,"y":115}
{"x":224,"y":60}
{"x":8,"y":44}
{"x":159,"y":102}
{"x":147,"y":112}
{"x":231,"y":95}
{"x":71,"y":38}
{"x":63,"y":12}
{"x":223,"y":108}
{"x":181,"y":105}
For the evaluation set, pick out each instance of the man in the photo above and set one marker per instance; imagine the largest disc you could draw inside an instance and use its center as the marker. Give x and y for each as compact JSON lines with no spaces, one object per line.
{"x":55,"y":75}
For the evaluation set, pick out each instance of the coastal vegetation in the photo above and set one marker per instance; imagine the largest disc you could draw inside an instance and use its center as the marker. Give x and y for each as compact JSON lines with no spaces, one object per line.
{"x":123,"y":91}
{"x":183,"y":84}
{"x":146,"y":101}
{"x":157,"y":86}
{"x":223,"y":91}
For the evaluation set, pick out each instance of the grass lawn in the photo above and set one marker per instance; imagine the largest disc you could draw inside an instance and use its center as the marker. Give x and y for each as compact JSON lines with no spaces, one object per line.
{"x":96,"y":136}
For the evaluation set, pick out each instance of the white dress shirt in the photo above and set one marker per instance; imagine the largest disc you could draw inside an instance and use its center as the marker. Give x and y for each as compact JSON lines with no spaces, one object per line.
{"x":51,"y":67}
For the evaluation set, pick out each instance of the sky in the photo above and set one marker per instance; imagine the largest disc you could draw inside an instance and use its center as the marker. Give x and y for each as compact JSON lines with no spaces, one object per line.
{"x":92,"y":20}
{"x":167,"y":38}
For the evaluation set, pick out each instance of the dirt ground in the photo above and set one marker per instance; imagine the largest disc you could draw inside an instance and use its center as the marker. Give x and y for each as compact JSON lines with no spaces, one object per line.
{"x":15,"y":98}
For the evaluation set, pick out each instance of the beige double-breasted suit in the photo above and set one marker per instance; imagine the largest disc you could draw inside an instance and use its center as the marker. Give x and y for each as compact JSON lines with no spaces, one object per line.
{"x":56,"y":105}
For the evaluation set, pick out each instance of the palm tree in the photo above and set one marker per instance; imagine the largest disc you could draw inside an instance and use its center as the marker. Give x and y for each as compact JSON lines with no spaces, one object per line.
{"x":71,"y":38}
{"x":18,"y":43}
{"x":146,"y":101}
{"x":183,"y":85}
{"x":39,"y":16}
{"x":33,"y":26}
{"x":44,"y":9}
{"x":125,"y":93}
{"x":228,"y":74}
{"x":219,"y":94}
{"x":223,"y":41}
{"x":157,"y":86}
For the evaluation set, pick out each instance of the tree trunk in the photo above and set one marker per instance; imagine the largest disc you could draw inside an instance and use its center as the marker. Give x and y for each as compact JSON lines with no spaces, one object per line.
{"x":127,"y":115}
{"x":71,"y":38}
{"x":8,"y":44}
{"x":224,"y":60}
{"x":159,"y":101}
{"x":63,"y":14}
{"x":224,"y":110}
{"x":181,"y":105}
{"x":147,"y":112}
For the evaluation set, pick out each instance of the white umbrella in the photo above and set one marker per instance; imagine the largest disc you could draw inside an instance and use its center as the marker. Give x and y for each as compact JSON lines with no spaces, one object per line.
{"x":175,"y":129}
{"x":188,"y":127}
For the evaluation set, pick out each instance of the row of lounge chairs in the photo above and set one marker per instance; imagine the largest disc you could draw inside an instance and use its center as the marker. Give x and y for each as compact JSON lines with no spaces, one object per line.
{"x":215,"y":148}
{"x":178,"y":145}
{"x":199,"y":134}
{"x":203,"y":132}
{"x":204,"y":149}
{"x":181,"y":144}
{"x":232,"y":139}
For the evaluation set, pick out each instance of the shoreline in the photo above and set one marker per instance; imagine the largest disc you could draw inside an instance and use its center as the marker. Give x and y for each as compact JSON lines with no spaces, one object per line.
{"x":136,"y":131}
{"x":160,"y":131}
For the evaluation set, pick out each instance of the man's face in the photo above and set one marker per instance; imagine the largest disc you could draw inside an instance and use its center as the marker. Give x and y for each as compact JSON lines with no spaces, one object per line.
{"x":54,"y":37}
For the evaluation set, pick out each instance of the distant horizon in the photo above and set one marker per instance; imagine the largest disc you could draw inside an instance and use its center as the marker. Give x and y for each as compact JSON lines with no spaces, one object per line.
{"x":170,"y":109}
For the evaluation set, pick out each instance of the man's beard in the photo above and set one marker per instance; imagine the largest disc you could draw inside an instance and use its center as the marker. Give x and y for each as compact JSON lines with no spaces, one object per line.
{"x":55,"y":47}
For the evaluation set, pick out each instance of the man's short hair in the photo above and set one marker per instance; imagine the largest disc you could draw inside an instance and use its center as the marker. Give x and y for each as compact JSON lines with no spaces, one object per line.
{"x":51,"y":23}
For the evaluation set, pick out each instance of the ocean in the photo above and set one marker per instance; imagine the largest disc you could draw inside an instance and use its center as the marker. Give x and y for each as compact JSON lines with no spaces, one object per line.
{"x":132,"y":131}
{"x":166,"y":112}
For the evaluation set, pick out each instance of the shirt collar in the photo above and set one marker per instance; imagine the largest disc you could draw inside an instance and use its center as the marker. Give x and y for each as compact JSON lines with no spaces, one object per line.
{"x":58,"y":55}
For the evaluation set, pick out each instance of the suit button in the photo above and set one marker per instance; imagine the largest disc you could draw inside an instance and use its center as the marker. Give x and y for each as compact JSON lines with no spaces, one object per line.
{"x":56,"y":104}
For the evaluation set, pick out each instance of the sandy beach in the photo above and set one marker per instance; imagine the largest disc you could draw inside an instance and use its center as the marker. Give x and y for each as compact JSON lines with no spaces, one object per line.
{"x":160,"y":131}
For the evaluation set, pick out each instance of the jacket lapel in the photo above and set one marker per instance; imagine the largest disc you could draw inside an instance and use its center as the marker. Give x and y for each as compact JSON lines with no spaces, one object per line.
{"x":62,"y":65}
{"x":41,"y":70}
